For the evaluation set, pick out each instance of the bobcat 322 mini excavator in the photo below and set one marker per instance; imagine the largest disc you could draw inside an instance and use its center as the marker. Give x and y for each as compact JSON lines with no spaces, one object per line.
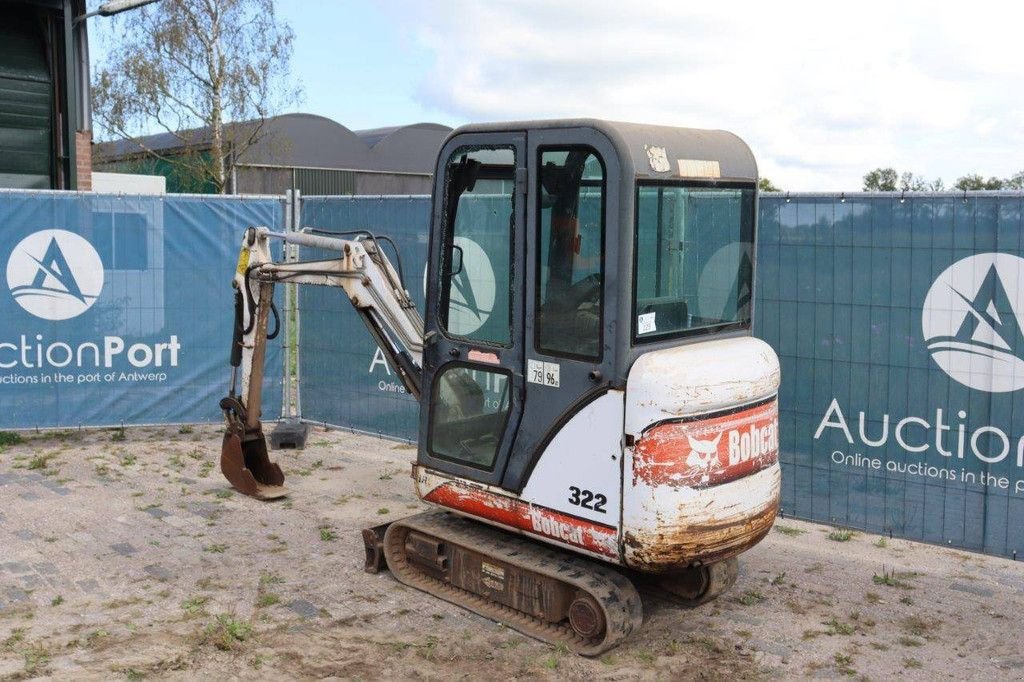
{"x":593,"y":406}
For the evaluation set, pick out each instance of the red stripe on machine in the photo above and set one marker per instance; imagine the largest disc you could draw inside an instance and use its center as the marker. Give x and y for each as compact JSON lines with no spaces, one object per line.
{"x":530,"y":518}
{"x":707,"y":452}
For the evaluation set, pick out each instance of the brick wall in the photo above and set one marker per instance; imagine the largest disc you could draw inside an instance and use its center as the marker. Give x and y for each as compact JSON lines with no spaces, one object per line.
{"x":83,"y":159}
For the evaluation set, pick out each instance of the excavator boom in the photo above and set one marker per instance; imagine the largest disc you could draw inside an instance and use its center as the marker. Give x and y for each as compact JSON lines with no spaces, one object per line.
{"x":370,"y":282}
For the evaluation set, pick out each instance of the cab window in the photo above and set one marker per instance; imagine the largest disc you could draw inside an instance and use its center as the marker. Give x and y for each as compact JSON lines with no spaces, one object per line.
{"x":570,"y":254}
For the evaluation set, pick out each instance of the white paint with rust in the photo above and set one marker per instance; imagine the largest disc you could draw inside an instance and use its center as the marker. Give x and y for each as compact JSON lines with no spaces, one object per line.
{"x":697,"y":379}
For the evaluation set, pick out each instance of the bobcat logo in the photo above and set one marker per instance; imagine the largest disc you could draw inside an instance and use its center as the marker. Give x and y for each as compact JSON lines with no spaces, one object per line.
{"x":703,"y":453}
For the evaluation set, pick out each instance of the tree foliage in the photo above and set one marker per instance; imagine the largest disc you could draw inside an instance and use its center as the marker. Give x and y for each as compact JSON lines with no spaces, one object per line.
{"x":766,"y":185}
{"x":209,"y":72}
{"x":888,"y":180}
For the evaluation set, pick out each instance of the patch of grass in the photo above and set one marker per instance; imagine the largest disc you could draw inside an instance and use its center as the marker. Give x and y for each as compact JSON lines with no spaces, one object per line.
{"x":841,"y":535}
{"x":844,"y":663}
{"x":194,"y":605}
{"x":10,"y":438}
{"x":118,"y":435}
{"x":837,"y":627}
{"x":816,"y":567}
{"x":919,"y":627}
{"x":226,"y":632}
{"x":551,"y":663}
{"x":327,"y":535}
{"x":645,"y":657}
{"x":215,"y":548}
{"x":909,"y":641}
{"x":36,"y":658}
{"x":57,"y":601}
{"x":270,"y":579}
{"x":881,"y":543}
{"x":176,"y":462}
{"x":890,"y":578}
{"x":907,"y":600}
{"x":789,"y":530}
{"x":780,"y":579}
{"x":912,"y":663}
{"x":750,"y":598}
{"x":223,"y":494}
{"x":102,"y":470}
{"x":41,"y":461}
{"x":267,"y":599}
{"x":127,"y":459}
{"x":872,"y":598}
{"x":16,"y":637}
{"x":185,"y":429}
{"x":204,"y":469}
{"x":383,"y":510}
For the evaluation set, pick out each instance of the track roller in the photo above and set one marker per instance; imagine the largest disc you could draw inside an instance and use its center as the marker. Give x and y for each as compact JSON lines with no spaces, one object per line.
{"x":700,"y":584}
{"x":553,"y":596}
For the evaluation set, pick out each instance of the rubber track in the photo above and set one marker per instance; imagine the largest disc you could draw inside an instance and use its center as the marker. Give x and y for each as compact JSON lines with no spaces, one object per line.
{"x":615,"y":594}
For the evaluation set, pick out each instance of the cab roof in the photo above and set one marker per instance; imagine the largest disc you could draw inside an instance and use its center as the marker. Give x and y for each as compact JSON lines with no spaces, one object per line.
{"x":654,"y":152}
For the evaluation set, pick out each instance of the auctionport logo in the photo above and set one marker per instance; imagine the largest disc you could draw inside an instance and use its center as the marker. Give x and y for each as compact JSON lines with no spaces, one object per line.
{"x":55,"y":274}
{"x":972,"y":324}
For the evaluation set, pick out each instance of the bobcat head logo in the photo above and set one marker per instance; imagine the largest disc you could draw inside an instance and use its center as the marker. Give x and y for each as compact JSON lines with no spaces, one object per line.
{"x":702,"y":452}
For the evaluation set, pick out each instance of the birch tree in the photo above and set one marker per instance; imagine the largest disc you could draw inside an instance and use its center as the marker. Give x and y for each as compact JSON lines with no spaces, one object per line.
{"x":208,"y":72}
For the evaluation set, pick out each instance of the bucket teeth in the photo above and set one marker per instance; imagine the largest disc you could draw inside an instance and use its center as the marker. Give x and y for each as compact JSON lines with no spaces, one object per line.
{"x":248,"y":468}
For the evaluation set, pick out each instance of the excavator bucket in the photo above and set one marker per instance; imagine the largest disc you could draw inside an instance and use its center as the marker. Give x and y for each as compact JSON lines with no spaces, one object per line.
{"x":248,"y":468}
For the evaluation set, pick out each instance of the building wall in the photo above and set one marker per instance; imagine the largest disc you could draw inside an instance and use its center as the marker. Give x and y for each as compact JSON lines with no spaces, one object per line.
{"x":83,"y":159}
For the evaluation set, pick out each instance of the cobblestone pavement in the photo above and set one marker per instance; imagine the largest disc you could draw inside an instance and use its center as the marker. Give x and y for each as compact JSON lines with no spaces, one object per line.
{"x":125,"y":554}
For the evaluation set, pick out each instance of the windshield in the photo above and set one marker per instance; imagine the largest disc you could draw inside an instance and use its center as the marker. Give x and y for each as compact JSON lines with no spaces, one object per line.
{"x":693,"y":266}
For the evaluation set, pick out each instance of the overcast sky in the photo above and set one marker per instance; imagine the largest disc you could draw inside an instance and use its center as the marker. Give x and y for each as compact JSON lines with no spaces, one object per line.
{"x":822,"y":91}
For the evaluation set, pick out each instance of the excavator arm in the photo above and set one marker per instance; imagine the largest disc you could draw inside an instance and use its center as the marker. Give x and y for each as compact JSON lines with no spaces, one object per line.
{"x":375,"y":289}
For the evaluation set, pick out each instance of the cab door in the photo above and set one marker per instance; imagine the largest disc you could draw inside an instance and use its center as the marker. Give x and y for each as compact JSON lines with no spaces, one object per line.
{"x":473,"y":331}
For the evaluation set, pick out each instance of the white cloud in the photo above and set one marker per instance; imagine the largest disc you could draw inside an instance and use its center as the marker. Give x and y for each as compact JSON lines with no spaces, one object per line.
{"x":822,"y":91}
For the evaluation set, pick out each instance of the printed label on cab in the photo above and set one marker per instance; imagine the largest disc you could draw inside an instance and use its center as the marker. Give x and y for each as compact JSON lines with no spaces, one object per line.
{"x":544,"y":373}
{"x":645,"y":323}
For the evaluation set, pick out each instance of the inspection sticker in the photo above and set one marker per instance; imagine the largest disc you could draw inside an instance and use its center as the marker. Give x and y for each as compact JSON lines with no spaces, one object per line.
{"x":645,"y":323}
{"x":543,"y":373}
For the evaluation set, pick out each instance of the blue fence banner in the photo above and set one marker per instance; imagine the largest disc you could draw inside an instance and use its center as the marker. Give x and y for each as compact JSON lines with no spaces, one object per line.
{"x":118,"y":309}
{"x":344,"y":379}
{"x":898,"y":324}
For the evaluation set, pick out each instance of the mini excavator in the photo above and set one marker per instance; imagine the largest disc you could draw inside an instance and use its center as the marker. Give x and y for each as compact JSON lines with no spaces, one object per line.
{"x":594,"y":411}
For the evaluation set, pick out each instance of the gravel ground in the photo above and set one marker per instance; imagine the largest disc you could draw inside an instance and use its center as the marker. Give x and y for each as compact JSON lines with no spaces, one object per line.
{"x":125,"y":554}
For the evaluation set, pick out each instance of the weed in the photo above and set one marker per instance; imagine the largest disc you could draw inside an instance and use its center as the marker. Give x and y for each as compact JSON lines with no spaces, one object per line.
{"x":912,"y":663}
{"x":327,"y":535}
{"x":878,"y":646}
{"x":881,"y":543}
{"x":837,"y":627}
{"x":204,"y":469}
{"x":17,"y":636}
{"x":185,"y":429}
{"x":646,"y":657}
{"x":118,"y":435}
{"x":223,"y":494}
{"x":844,"y":663}
{"x":873,"y":598}
{"x":890,"y":578}
{"x":102,"y":469}
{"x":10,"y":438}
{"x":267,"y":599}
{"x":609,"y":659}
{"x":270,"y":579}
{"x":36,"y":658}
{"x":226,"y":632}
{"x":840,"y":535}
{"x":383,"y":510}
{"x":789,"y":530}
{"x":745,"y":634}
{"x":750,"y":598}
{"x":909,"y":641}
{"x":907,"y":600}
{"x":194,"y":605}
{"x":41,"y":461}
{"x":816,"y":567}
{"x":215,"y":548}
{"x":133,"y":674}
{"x":780,"y":579}
{"x":551,"y":663}
{"x":175,"y":461}
{"x":918,"y":627}
{"x":127,"y":459}
{"x":57,"y":601}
